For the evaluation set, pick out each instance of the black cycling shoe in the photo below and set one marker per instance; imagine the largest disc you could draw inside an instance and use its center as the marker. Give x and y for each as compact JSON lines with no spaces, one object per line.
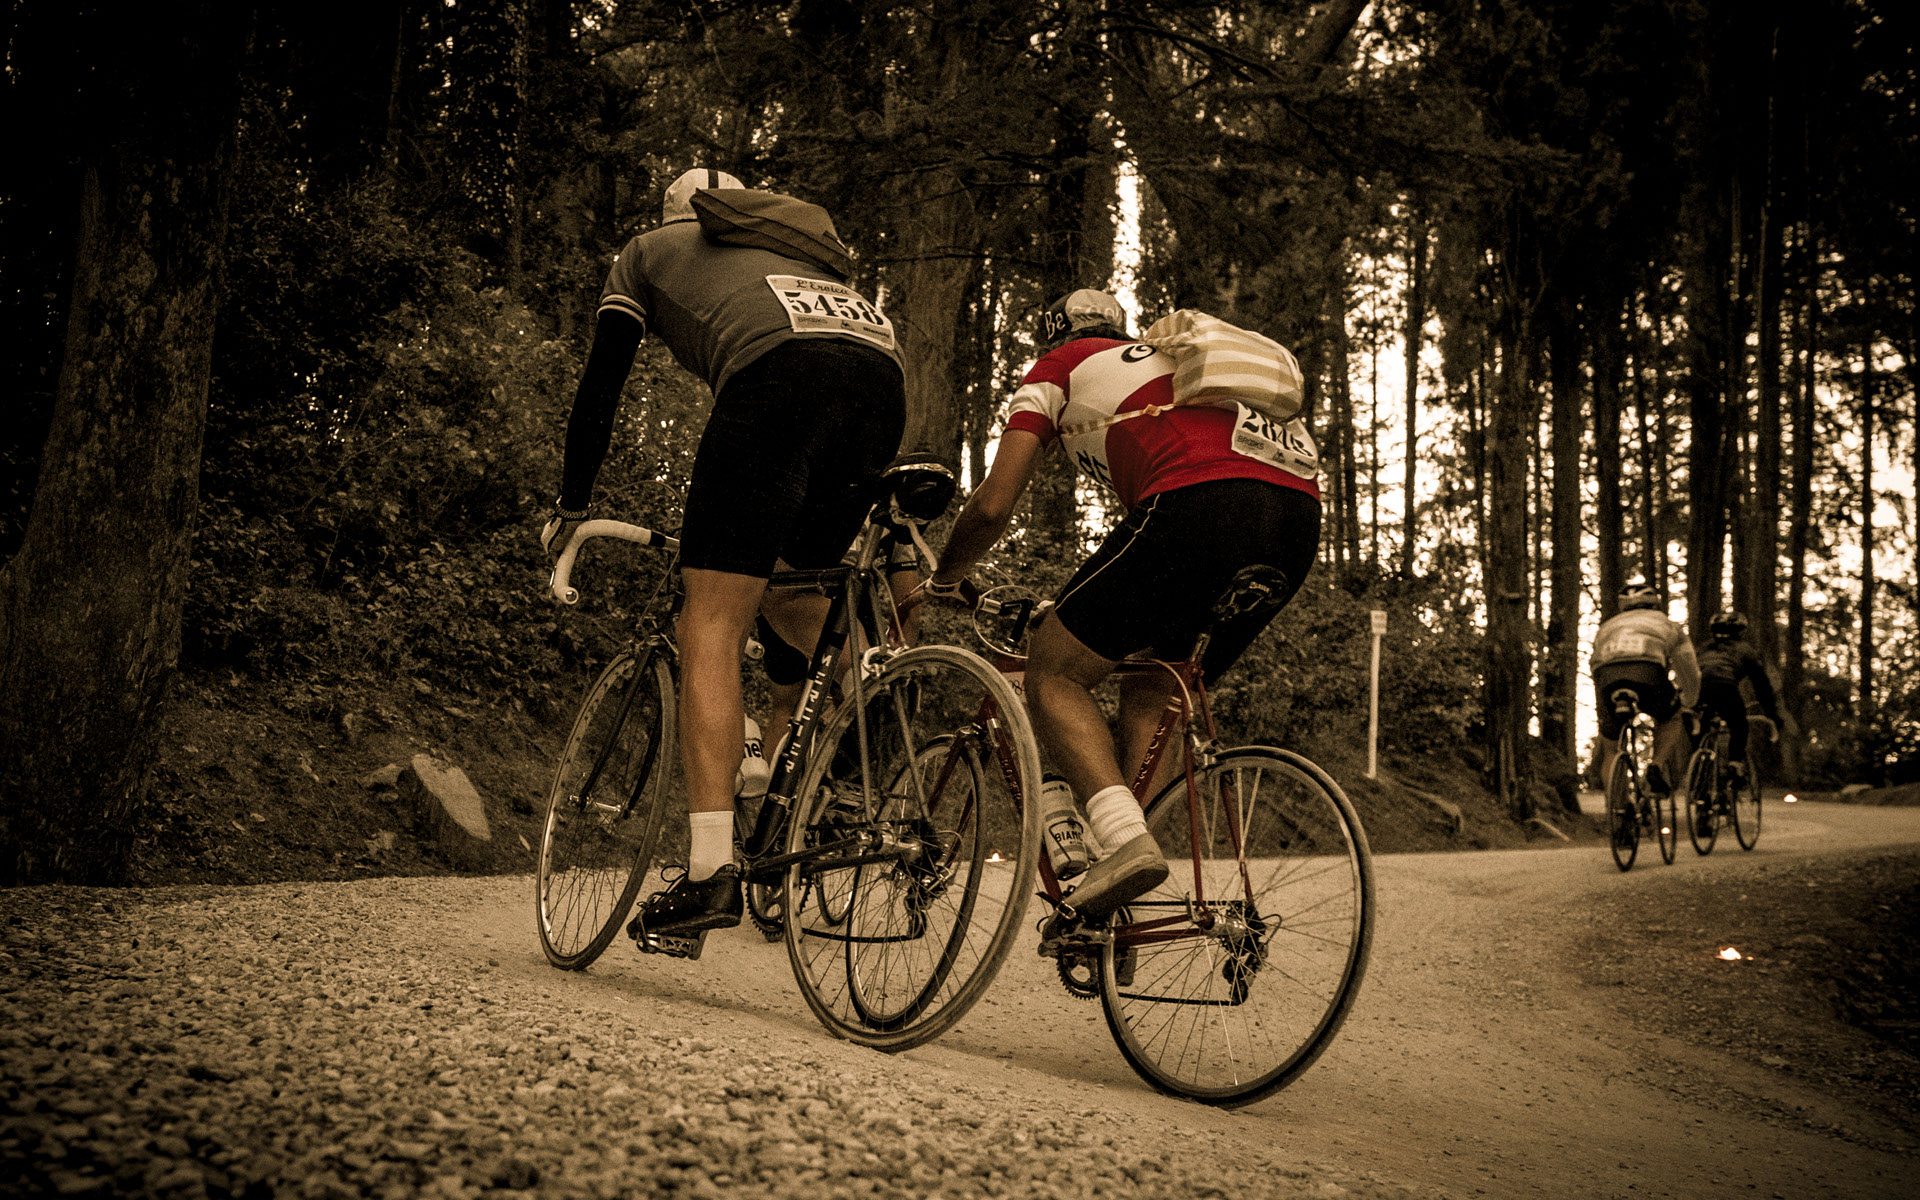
{"x":688,"y":908}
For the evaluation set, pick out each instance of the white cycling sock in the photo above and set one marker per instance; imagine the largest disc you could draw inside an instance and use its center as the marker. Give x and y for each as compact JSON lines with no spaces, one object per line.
{"x":1115,"y":816}
{"x":712,"y":843}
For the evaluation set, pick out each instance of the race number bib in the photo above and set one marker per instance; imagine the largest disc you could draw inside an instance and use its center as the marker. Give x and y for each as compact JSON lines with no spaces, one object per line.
{"x":1289,"y":447}
{"x":821,"y":306}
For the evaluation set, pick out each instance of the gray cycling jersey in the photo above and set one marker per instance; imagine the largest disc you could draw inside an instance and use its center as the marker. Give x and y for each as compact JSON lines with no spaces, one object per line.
{"x":718,"y":308}
{"x":1646,"y":635}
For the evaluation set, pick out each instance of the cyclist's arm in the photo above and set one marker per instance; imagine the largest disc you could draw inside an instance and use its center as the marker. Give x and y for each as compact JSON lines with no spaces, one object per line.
{"x":1756,"y":672}
{"x":989,"y":510}
{"x":1686,"y":672}
{"x":616,"y":338}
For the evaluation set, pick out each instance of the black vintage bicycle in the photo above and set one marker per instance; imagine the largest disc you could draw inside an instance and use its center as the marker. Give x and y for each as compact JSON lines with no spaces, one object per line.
{"x":1715,"y":797}
{"x":895,"y":866}
{"x":1633,"y":807}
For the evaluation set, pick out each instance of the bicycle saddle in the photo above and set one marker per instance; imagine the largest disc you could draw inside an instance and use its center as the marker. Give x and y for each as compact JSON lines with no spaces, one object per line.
{"x":1253,"y":588}
{"x":1624,"y":700}
{"x":920,"y":484}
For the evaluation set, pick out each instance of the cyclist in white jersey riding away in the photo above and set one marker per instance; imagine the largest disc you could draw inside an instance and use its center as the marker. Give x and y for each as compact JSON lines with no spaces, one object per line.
{"x":1207,"y":491}
{"x":809,"y":404}
{"x":1633,"y":651}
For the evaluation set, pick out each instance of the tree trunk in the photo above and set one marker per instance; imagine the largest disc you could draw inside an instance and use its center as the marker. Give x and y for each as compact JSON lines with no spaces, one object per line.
{"x":1373,"y":467}
{"x":1760,"y":570}
{"x":90,"y":607}
{"x":1340,"y":385}
{"x":1864,"y":709}
{"x":1560,"y":671}
{"x":1793,"y":670}
{"x":1509,"y":654}
{"x":1707,"y":358}
{"x":1413,"y":336}
{"x":1609,"y":520}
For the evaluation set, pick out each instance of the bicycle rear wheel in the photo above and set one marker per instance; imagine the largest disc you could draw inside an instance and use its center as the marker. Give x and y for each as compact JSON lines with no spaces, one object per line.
{"x":1746,"y":807}
{"x":1666,"y":824}
{"x":1700,"y":777}
{"x":1623,"y":817}
{"x":1229,"y":1014}
{"x":892,"y":951}
{"x":603,"y":809}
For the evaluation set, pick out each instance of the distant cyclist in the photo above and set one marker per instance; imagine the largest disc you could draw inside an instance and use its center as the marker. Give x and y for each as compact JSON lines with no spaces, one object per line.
{"x":809,"y":402}
{"x":1202,"y":501}
{"x":1726,"y":660}
{"x":1634,"y":651}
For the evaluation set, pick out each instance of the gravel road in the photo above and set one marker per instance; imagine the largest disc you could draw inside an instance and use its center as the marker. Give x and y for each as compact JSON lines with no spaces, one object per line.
{"x":405,"y":1037}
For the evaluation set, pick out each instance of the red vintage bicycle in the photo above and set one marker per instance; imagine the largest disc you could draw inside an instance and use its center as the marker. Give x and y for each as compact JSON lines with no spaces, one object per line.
{"x":1227,"y":981}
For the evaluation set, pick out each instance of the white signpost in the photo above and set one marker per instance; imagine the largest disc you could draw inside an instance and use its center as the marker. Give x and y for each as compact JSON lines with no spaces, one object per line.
{"x":1373,"y":699}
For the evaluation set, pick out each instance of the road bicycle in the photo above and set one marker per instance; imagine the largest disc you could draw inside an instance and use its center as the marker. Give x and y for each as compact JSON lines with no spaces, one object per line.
{"x":890,"y":861}
{"x":1227,"y":981}
{"x":1715,"y":797}
{"x":1633,"y":808}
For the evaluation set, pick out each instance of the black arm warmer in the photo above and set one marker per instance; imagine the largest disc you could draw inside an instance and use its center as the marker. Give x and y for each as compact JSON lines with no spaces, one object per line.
{"x":616,"y":337}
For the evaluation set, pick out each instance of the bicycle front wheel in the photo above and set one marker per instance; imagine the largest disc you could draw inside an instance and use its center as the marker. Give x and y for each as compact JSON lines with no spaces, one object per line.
{"x":1623,"y":817}
{"x":1228,"y":1011}
{"x":603,"y":809}
{"x":1746,"y":807}
{"x":921,"y":858}
{"x":1702,"y":829}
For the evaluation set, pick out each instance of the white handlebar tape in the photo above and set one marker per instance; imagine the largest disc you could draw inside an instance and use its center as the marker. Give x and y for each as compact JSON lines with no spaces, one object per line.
{"x":620,"y":530}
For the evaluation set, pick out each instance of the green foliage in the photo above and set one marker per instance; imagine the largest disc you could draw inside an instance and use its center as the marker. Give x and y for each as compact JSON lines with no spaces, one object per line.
{"x":1306,"y":679}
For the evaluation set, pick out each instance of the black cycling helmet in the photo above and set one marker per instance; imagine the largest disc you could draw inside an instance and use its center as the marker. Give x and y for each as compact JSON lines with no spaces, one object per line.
{"x":1728,"y":624}
{"x":1080,"y":312}
{"x":1640,"y":595}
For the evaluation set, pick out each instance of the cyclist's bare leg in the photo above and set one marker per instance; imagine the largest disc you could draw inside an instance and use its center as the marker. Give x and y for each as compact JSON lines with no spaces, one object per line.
{"x":1061,"y":676}
{"x":718,"y":612}
{"x":1143,"y":701}
{"x":1670,"y":750}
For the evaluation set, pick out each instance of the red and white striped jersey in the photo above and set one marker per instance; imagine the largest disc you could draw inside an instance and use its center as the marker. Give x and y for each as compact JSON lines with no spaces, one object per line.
{"x":1072,"y":392}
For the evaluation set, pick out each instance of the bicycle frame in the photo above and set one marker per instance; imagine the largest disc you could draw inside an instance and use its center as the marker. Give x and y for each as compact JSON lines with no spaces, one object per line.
{"x":1188,"y":700}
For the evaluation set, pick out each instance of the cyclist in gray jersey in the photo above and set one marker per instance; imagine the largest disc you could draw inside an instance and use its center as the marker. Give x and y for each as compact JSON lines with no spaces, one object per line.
{"x":809,"y":404}
{"x":1633,"y":652}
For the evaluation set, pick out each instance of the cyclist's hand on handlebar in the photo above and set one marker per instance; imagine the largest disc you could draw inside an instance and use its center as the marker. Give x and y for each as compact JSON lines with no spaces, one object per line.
{"x":961,"y":592}
{"x":559,"y":530}
{"x":1773,"y":727}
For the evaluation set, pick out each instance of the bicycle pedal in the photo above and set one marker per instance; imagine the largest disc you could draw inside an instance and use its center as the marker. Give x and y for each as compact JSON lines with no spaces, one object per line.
{"x":671,"y":945}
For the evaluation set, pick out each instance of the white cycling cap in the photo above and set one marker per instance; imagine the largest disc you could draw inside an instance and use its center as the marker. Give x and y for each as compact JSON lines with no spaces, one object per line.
{"x":677,"y":204}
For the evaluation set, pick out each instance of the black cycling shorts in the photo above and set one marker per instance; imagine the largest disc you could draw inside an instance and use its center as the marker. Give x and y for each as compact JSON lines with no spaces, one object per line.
{"x":1650,"y":685}
{"x":782,"y":468}
{"x":1153,"y":583}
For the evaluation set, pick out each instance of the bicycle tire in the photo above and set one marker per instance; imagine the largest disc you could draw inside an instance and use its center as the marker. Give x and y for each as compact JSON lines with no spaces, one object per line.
{"x":602,"y":820}
{"x":837,"y":888}
{"x":919,"y":940}
{"x":1231,"y":1015}
{"x":1746,"y":808}
{"x":1701,"y":769}
{"x":1623,"y":815}
{"x":1666,"y":824}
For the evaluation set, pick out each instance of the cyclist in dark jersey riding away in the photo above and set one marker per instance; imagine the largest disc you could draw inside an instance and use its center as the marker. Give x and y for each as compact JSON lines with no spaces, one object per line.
{"x":1726,"y":660}
{"x":1203,"y":498}
{"x":809,"y":403}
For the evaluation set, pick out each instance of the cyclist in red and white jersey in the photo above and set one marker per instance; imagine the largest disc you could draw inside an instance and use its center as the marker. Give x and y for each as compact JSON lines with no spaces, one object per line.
{"x":1208,"y":491}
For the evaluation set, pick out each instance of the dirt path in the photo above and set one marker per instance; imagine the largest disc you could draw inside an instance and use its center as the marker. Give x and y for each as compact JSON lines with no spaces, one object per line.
{"x":1476,"y":1062}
